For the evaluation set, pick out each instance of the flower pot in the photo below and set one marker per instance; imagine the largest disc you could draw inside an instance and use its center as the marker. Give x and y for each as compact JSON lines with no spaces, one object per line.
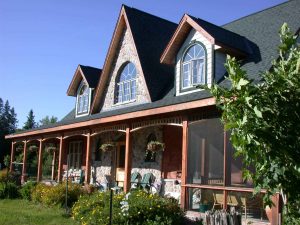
{"x":107,"y":147}
{"x":155,"y":146}
{"x":203,"y":208}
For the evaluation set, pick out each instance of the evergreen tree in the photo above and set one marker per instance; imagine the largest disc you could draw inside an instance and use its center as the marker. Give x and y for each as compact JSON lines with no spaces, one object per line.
{"x":48,"y":120}
{"x":8,"y":124}
{"x":30,"y":123}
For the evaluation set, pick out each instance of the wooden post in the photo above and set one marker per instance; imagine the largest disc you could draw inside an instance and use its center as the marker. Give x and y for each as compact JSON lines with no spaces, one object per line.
{"x":184,"y":162}
{"x":60,"y":158}
{"x":40,"y":163}
{"x":12,"y":156}
{"x":23,"y":179}
{"x":128,"y":160}
{"x":88,"y":159}
{"x":226,"y":174}
{"x":53,"y":165}
{"x":275,"y":209}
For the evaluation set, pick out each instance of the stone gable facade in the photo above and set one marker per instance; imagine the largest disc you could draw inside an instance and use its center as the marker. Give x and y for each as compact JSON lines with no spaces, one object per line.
{"x":126,"y":53}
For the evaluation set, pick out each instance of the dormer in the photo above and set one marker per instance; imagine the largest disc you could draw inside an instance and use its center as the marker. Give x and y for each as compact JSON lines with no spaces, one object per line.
{"x":198,"y":51}
{"x":82,"y":87}
{"x":132,"y":73}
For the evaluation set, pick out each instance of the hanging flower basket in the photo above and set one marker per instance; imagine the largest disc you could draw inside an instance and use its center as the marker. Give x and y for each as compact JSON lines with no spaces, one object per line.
{"x":155,"y":146}
{"x":33,"y":148}
{"x":20,"y":148}
{"x":50,"y":149}
{"x":107,"y":147}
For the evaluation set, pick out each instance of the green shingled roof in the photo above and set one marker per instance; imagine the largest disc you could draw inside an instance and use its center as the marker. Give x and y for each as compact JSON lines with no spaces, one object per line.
{"x":260,"y":29}
{"x":91,"y":74}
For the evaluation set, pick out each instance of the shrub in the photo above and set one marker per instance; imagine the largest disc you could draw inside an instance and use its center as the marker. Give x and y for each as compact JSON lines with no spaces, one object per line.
{"x":13,"y":177}
{"x":136,"y":208}
{"x":55,"y":195}
{"x":26,"y":190}
{"x":9,"y":190}
{"x":38,"y":192}
{"x":3,"y":175}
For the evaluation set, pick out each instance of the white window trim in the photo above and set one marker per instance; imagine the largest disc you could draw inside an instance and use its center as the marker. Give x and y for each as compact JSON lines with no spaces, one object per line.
{"x":90,"y":99}
{"x":122,"y":83}
{"x":182,"y":63}
{"x":130,"y":84}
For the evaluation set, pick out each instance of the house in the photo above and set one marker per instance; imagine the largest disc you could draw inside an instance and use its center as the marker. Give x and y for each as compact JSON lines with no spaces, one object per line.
{"x":146,"y":92}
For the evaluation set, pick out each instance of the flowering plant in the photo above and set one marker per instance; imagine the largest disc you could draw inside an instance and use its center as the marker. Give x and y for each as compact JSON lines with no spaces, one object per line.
{"x":107,"y":147}
{"x":155,"y":146}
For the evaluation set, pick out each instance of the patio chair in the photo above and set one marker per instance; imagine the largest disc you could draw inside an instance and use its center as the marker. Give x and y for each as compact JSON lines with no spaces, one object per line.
{"x":135,"y":179}
{"x":147,"y":181}
{"x":78,"y":177}
{"x":218,"y":200}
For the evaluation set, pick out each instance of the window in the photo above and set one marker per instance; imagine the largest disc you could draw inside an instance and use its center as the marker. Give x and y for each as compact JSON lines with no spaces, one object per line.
{"x":193,"y":66}
{"x":126,"y":84}
{"x":75,"y":154}
{"x":83,"y":99}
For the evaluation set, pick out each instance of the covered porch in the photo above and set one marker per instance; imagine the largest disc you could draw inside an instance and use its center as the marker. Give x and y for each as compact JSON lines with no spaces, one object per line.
{"x":196,"y":165}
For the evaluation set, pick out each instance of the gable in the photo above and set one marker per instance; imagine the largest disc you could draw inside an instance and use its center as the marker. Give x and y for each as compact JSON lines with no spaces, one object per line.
{"x":227,"y":41}
{"x":125,"y":53}
{"x":90,"y":75}
{"x":150,"y":34}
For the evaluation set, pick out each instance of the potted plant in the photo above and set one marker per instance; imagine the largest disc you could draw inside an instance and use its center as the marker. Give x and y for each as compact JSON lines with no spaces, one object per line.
{"x":50,"y":149}
{"x":203,"y":206}
{"x":155,"y":146}
{"x":107,"y":147}
{"x":33,"y":148}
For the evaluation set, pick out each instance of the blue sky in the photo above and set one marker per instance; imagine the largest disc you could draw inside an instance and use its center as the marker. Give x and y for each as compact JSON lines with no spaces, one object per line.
{"x":42,"y":42}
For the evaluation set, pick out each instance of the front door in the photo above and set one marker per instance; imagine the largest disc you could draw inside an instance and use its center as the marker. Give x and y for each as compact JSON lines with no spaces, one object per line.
{"x":120,"y":164}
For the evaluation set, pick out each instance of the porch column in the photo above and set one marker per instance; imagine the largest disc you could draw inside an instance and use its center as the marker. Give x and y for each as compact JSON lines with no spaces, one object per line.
{"x":275,"y":209}
{"x":40,"y":159}
{"x":226,"y":172}
{"x":184,"y":162}
{"x":60,"y":158}
{"x":23,"y":179}
{"x":53,"y":165}
{"x":128,"y":160}
{"x":12,"y":156}
{"x":88,"y":159}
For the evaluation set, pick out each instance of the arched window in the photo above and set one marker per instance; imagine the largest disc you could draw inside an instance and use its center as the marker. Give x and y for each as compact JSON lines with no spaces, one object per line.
{"x":83,"y":99}
{"x":193,"y":66}
{"x":126,"y":84}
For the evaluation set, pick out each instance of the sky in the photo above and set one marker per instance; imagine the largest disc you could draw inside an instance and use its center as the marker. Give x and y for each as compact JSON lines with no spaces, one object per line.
{"x":42,"y":43}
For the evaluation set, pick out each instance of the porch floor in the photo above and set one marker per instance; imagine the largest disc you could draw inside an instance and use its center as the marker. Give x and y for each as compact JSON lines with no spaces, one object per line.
{"x":192,"y":216}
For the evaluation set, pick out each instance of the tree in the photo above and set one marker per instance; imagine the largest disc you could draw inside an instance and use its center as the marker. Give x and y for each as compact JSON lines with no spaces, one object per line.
{"x":46,"y":120}
{"x":8,"y":124}
{"x":30,"y":123}
{"x":264,"y":120}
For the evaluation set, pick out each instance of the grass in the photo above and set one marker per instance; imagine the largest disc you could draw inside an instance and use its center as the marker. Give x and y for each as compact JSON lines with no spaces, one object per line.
{"x":22,"y":212}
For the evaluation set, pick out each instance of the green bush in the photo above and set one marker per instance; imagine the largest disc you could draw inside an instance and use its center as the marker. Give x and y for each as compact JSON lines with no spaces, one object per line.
{"x":55,"y":195}
{"x":26,"y":190}
{"x":137,"y":208}
{"x":9,"y":190}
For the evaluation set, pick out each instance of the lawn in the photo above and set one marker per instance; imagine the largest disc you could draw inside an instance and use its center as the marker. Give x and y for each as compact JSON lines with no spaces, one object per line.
{"x":22,"y":212}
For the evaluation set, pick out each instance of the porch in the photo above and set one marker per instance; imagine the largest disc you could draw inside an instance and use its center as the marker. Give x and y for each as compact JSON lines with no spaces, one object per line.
{"x":196,"y":166}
